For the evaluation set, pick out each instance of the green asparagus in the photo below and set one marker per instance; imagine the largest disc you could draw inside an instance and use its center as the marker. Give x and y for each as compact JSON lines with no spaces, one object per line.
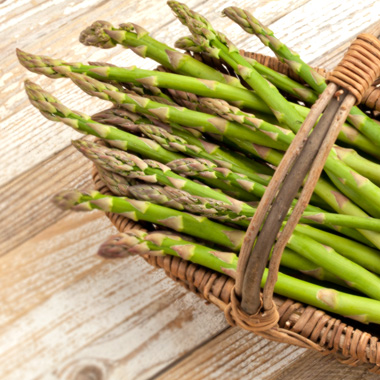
{"x":357,"y":118}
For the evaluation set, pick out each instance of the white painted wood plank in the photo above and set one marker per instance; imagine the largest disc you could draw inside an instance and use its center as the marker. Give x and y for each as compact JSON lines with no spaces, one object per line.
{"x":320,"y":26}
{"x":63,"y":309}
{"x":234,"y":354}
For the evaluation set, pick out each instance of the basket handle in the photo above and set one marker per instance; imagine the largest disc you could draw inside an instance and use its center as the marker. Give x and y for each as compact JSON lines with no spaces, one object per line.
{"x":307,"y":153}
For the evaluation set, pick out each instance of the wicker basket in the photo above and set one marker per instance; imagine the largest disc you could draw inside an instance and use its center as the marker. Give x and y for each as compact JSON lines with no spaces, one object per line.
{"x":298,"y":324}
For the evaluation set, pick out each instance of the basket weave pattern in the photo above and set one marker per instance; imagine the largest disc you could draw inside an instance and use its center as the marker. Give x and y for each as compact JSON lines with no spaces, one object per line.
{"x":286,"y":321}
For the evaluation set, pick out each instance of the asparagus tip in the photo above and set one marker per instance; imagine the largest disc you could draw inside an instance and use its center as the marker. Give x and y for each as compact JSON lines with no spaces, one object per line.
{"x":40,"y":64}
{"x":95,"y":35}
{"x":113,"y":248}
{"x":67,"y":199}
{"x":121,"y":245}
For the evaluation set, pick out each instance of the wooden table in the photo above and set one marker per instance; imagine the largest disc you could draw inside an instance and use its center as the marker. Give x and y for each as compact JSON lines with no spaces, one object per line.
{"x":68,"y":314}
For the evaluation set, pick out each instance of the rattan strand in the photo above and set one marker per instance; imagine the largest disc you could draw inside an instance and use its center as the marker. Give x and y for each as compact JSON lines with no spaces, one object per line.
{"x":360,"y":67}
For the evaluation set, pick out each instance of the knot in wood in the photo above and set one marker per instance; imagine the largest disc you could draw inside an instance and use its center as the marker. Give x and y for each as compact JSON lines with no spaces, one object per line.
{"x":360,"y":66}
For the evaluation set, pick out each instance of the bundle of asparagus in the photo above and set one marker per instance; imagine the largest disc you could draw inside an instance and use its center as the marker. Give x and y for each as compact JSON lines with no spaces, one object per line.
{"x":192,"y":149}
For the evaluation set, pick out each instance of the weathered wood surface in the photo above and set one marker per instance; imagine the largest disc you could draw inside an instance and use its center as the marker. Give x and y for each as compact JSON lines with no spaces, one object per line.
{"x":67,"y":314}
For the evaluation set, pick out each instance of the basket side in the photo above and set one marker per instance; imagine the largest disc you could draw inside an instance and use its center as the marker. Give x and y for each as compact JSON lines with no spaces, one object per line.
{"x":350,"y":345}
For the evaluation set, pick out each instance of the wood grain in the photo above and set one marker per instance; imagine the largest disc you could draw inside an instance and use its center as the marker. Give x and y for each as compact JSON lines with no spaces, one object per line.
{"x":26,"y":202}
{"x":67,"y":314}
{"x":234,"y":354}
{"x":66,"y":311}
{"x":313,"y":366}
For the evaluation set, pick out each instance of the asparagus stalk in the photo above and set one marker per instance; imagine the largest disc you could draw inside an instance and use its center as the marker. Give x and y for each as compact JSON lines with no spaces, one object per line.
{"x":204,"y":87}
{"x":197,"y":226}
{"x":151,"y":171}
{"x":51,"y":108}
{"x":117,"y":116}
{"x":361,"y":254}
{"x":213,"y":124}
{"x":363,"y":166}
{"x":183,"y":201}
{"x":201,"y":167}
{"x":281,"y":81}
{"x":120,"y":117}
{"x":229,"y":112}
{"x":241,"y":97}
{"x":104,"y":35}
{"x":204,"y":168}
{"x":118,"y":184}
{"x":180,"y":140}
{"x":177,"y":143}
{"x":215,"y":209}
{"x":357,"y":118}
{"x":157,"y":243}
{"x":166,"y":113}
{"x":284,"y":113}
{"x":367,"y":257}
{"x":180,"y":144}
{"x":334,"y":166}
{"x":166,"y":243}
{"x":218,"y":45}
{"x":355,"y":276}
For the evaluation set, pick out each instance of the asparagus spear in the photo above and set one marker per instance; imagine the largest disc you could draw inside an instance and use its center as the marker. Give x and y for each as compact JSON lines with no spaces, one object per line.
{"x":365,"y":167}
{"x":183,"y":201}
{"x":118,"y":184}
{"x":334,"y":165}
{"x":229,"y":112}
{"x":204,"y":168}
{"x":201,"y":167}
{"x":193,"y":119}
{"x":218,"y":45}
{"x":357,"y":183}
{"x":180,"y":140}
{"x":357,"y":118}
{"x":355,"y":276}
{"x":136,"y":242}
{"x":222,"y":211}
{"x":361,"y":254}
{"x":115,"y":116}
{"x":51,"y":108}
{"x":175,"y":198}
{"x":159,"y":243}
{"x":197,"y":226}
{"x":241,"y":97}
{"x":360,"y":185}
{"x":204,"y":87}
{"x":104,"y":35}
{"x":151,"y":171}
{"x":180,"y":144}
{"x":120,"y":117}
{"x":281,"y":81}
